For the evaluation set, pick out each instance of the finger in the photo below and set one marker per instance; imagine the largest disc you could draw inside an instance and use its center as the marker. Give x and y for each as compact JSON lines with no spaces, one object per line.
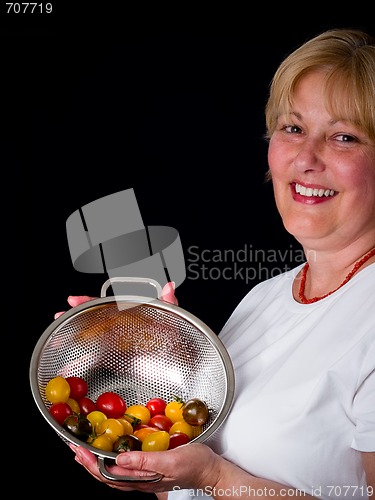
{"x":76,"y":300}
{"x":57,"y":315}
{"x":167,"y":293}
{"x":73,"y":301}
{"x":145,"y":464}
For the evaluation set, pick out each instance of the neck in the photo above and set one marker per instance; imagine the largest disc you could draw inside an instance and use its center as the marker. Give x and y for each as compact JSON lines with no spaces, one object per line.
{"x":329,"y":280}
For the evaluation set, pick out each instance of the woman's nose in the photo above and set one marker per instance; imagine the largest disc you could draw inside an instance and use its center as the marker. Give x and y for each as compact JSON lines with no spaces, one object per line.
{"x":309,"y":156}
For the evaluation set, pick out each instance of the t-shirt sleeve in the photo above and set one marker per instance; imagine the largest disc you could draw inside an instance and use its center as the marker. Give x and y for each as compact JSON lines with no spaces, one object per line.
{"x":364,"y":406}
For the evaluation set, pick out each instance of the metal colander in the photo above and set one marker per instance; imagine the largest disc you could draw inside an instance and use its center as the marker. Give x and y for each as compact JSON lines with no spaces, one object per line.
{"x":140,"y":348}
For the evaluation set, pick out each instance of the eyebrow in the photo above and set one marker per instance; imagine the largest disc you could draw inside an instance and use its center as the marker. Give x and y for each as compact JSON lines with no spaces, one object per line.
{"x":299,"y":116}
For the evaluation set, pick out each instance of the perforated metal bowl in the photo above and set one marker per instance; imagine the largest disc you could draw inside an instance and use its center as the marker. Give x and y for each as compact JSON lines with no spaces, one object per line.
{"x":140,"y":348}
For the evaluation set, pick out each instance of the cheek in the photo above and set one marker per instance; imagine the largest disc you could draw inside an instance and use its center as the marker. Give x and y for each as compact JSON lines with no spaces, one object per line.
{"x":276,"y":156}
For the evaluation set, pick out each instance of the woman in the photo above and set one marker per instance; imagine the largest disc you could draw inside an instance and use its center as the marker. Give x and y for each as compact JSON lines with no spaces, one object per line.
{"x":302,"y":343}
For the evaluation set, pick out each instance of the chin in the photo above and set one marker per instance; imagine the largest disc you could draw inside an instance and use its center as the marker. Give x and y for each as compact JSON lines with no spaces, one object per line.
{"x":302,"y":232}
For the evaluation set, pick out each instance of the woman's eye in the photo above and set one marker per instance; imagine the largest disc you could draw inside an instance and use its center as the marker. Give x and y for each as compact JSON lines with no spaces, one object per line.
{"x":292,"y":129}
{"x":345,"y":138}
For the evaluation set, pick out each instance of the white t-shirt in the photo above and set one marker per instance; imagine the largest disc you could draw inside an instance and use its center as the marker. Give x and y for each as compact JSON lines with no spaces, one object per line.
{"x":304,"y":403}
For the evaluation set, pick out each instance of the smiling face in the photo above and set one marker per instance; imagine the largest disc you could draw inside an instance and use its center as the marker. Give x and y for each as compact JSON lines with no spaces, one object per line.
{"x":323,"y":172}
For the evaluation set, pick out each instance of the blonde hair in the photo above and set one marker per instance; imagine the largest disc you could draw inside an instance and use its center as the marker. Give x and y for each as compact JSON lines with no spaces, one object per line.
{"x":347,"y":57}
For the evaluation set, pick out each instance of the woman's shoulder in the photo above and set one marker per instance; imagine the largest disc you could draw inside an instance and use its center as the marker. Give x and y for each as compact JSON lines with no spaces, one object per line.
{"x":277,"y":280}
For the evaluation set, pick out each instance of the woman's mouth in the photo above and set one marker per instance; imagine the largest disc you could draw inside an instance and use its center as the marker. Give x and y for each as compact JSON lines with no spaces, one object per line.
{"x":313,"y":192}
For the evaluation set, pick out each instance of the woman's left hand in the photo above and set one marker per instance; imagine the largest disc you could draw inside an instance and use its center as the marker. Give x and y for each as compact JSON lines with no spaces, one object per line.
{"x":187,"y":466}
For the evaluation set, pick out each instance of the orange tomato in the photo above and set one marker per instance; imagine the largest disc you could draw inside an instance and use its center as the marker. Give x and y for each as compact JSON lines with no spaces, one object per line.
{"x":142,"y":432}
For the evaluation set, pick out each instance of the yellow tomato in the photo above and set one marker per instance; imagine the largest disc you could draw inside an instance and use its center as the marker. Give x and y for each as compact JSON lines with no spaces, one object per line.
{"x":156,"y":441}
{"x":173,"y":410}
{"x":102,"y":442}
{"x":57,"y":390}
{"x":74,"y":405}
{"x":96,"y":417}
{"x":128,"y":428}
{"x":182,"y":426}
{"x":111,"y":427}
{"x":140,"y":413}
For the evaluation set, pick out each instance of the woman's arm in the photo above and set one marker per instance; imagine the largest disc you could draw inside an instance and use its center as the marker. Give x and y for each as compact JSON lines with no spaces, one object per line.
{"x":369,"y":466}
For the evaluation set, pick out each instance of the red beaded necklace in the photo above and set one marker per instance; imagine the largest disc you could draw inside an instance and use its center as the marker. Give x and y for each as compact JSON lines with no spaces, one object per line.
{"x":357,"y":265}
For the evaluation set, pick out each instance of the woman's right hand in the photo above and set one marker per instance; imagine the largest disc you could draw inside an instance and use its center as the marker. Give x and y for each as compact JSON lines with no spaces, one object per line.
{"x":167,"y":295}
{"x":73,"y":301}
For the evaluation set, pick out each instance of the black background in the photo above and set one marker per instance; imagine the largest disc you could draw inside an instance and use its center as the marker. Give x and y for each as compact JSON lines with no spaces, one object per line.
{"x":96,"y":100}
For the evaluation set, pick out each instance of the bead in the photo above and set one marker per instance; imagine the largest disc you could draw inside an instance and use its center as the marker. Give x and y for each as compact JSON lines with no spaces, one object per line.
{"x":357,"y":265}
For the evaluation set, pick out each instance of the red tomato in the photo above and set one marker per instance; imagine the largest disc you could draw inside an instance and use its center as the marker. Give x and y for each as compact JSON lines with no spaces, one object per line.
{"x":86,"y":405}
{"x":78,"y":387}
{"x":162,"y":422}
{"x":177,"y":439}
{"x":156,"y":406}
{"x":112,"y":404}
{"x":60,"y":411}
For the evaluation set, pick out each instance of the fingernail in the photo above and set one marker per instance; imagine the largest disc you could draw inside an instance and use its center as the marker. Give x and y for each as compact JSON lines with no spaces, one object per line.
{"x":122,"y":459}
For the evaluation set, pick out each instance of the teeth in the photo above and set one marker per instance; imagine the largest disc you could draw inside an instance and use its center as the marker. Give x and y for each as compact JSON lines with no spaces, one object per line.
{"x":304,"y":191}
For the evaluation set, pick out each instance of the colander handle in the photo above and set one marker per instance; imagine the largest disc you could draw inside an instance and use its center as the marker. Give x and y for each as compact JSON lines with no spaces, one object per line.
{"x":130,"y":279}
{"x":133,"y":479}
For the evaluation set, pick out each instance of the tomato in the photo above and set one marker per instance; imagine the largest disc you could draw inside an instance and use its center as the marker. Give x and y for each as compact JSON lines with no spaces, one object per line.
{"x":60,"y":411}
{"x":197,"y":429}
{"x":57,"y":390}
{"x":133,"y":421}
{"x":128,"y":428}
{"x":86,"y":405}
{"x":178,"y":439}
{"x":102,"y":442}
{"x":78,"y":387}
{"x":112,"y":404}
{"x":139,"y":412}
{"x":111,"y":427}
{"x":173,"y":410}
{"x":156,"y":406}
{"x":79,"y":426}
{"x":96,"y":417}
{"x":195,"y":412}
{"x":156,"y":441}
{"x":142,"y":432}
{"x":74,"y":405}
{"x":182,"y":426}
{"x":162,"y":422}
{"x":127,"y":443}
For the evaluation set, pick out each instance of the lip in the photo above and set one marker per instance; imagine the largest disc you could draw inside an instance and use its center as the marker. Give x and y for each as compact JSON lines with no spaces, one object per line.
{"x":310,"y":200}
